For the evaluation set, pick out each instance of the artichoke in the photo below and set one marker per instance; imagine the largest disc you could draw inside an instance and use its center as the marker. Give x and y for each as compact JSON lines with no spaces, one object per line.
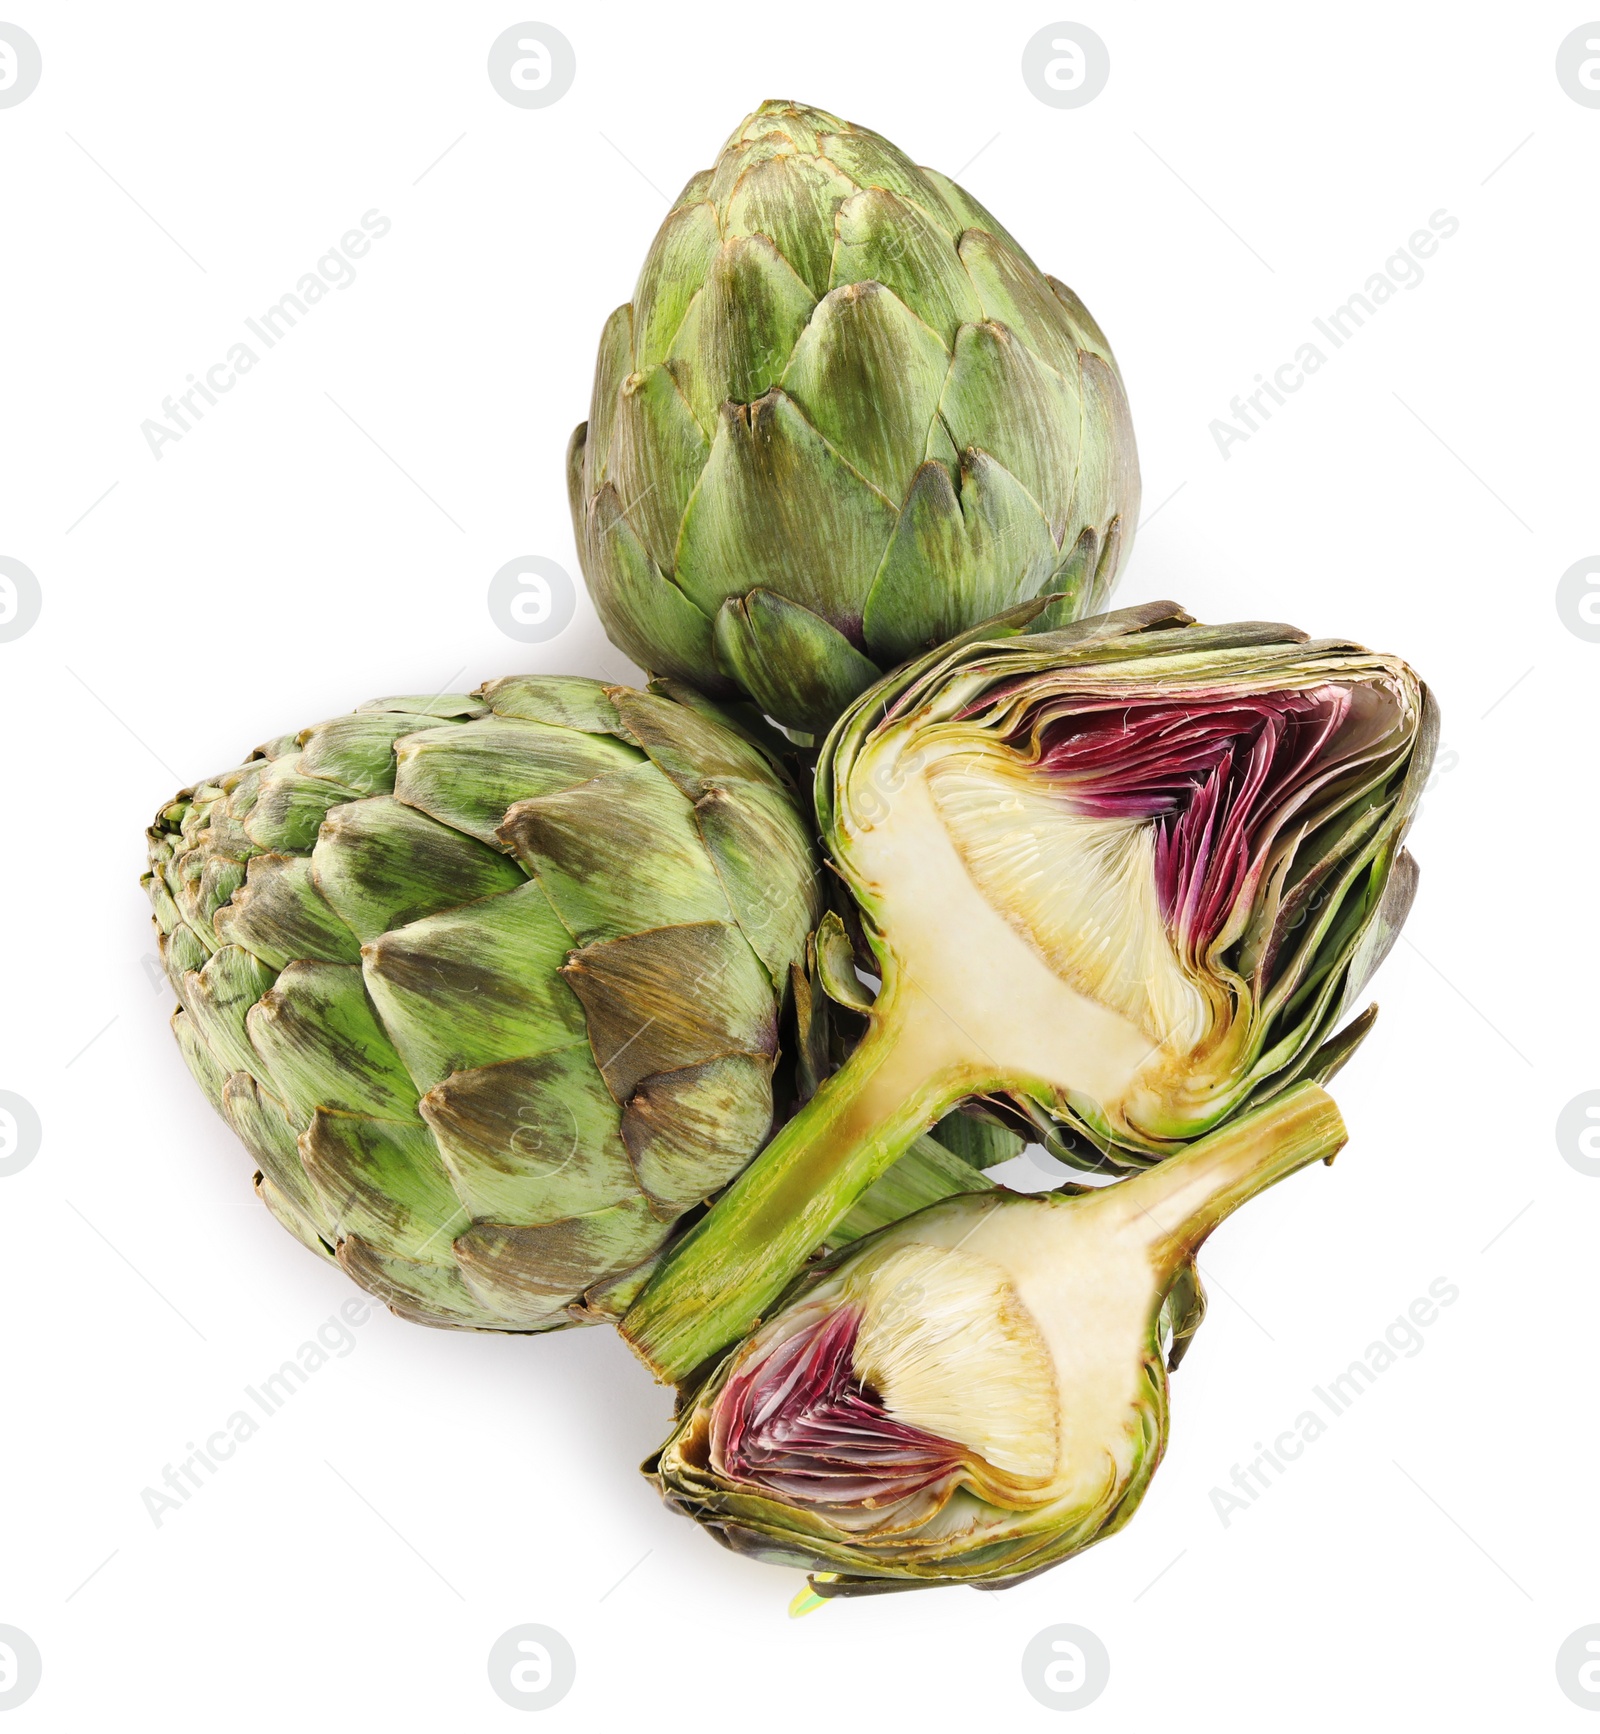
{"x":844,"y":418}
{"x":1123,"y":879}
{"x":979,"y":1392}
{"x":490,"y":986}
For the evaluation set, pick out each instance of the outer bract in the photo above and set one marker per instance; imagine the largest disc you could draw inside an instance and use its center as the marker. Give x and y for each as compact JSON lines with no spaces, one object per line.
{"x":489,"y":986}
{"x":844,"y":418}
{"x":1126,"y":877}
{"x":980,"y":1391}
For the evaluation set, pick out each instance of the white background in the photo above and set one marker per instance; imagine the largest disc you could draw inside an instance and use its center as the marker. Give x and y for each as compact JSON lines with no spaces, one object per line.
{"x":1423,"y":1561}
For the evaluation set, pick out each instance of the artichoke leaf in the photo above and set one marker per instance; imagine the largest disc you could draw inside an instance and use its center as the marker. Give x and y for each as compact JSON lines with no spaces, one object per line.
{"x":427,"y":1294}
{"x":382,"y":1181}
{"x":691,"y":742}
{"x":778,"y":508}
{"x":614,"y":365}
{"x":886,"y":239}
{"x":792,"y":200}
{"x":562,"y":700}
{"x":764,"y":860}
{"x":577,"y":464}
{"x":867,"y":374}
{"x":532,"y":1140}
{"x":280,"y":915}
{"x":991,"y":540}
{"x":967,"y":213}
{"x":181,"y":950}
{"x":1091,"y":339}
{"x":836,"y":966}
{"x":476,"y":985}
{"x":1015,"y":294}
{"x":315,"y":1033}
{"x":467,"y":778}
{"x":218,"y":999}
{"x":978,"y":1140}
{"x":661,"y":1000}
{"x":798,"y":667}
{"x":508,"y":1265}
{"x":677,"y":263}
{"x":431,"y":707}
{"x":303,"y":1227}
{"x":586,"y":844}
{"x":645,"y":614}
{"x":689,"y":1132}
{"x":380,"y":864}
{"x":740,"y":329}
{"x":207,"y":1070}
{"x":657,"y":454}
{"x":289,"y":807}
{"x":871,"y":161}
{"x":928,"y":1173}
{"x":1108,"y":472}
{"x":357,"y":751}
{"x":263,"y":1126}
{"x":1001,"y":399}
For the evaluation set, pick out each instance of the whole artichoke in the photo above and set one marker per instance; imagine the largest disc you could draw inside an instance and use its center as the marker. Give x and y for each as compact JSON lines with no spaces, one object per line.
{"x":844,"y":418}
{"x":489,"y":986}
{"x":1125,"y":879}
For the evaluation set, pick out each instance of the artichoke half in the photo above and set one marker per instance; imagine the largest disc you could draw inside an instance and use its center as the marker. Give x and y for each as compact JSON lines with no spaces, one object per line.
{"x":1123,"y":879}
{"x":489,"y":986}
{"x":844,"y":418}
{"x":980,"y":1391}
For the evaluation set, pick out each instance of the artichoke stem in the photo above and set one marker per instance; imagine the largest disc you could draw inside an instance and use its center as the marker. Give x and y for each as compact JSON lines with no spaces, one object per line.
{"x":910,"y":1069}
{"x":1175,"y":1205}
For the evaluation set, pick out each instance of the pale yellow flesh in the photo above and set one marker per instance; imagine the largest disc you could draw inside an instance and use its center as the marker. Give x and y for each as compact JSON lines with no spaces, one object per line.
{"x":1080,"y":890}
{"x":973,"y":986}
{"x":1087,"y":1285}
{"x":1085,"y":1276}
{"x":1076,"y":985}
{"x":948,"y":1347}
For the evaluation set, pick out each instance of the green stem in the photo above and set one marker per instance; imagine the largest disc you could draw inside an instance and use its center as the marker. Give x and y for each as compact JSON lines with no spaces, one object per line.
{"x":741,"y":1256}
{"x":1177,"y":1204}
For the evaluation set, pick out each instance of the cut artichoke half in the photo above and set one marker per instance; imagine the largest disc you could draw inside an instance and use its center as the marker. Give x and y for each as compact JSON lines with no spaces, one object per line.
{"x":1127,"y":877}
{"x":979,"y":1391}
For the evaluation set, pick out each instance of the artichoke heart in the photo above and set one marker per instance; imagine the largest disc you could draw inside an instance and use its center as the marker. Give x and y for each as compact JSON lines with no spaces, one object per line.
{"x":948,"y":1346}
